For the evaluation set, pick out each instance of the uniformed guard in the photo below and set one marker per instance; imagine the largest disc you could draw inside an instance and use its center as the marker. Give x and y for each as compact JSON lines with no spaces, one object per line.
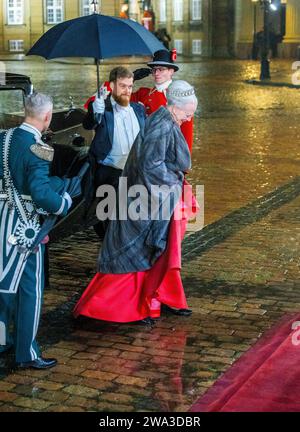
{"x":26,"y":192}
{"x":162,"y":67}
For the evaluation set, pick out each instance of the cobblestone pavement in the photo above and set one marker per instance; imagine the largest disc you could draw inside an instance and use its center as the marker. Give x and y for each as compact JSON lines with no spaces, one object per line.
{"x":238,"y":286}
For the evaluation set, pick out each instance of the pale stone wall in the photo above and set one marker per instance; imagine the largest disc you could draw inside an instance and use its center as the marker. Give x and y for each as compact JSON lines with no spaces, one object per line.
{"x":248,"y":18}
{"x":291,"y":42}
{"x":245,"y":24}
{"x":186,"y":30}
{"x":222,"y":22}
{"x":1,"y":27}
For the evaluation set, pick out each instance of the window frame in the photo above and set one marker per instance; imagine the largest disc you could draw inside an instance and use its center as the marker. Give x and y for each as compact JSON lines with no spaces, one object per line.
{"x":163,"y":7}
{"x":198,"y":43}
{"x":178,"y":6}
{"x":196,"y":5}
{"x":179,"y":50}
{"x":16,"y":41}
{"x":83,"y":6}
{"x":55,"y":8}
{"x":15,"y":9}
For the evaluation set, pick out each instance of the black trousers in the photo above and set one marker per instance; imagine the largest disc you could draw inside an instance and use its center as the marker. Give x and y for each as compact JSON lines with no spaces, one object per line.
{"x":105,"y":175}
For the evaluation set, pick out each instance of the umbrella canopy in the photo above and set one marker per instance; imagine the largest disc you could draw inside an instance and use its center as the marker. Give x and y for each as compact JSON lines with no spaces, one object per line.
{"x":97,"y":36}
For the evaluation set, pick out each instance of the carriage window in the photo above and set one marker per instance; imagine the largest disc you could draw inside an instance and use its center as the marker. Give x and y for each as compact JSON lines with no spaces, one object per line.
{"x":11,"y":108}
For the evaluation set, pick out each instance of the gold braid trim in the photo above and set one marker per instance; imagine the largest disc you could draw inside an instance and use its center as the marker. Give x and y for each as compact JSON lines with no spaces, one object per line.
{"x":43,"y":151}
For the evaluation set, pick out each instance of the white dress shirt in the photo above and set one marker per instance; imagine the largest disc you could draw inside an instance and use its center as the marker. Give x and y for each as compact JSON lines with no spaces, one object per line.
{"x":163,"y":87}
{"x":126,"y":129}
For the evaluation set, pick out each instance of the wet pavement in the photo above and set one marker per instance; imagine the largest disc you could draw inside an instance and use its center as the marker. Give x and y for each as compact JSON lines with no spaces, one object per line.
{"x":241,"y":131}
{"x":240,"y":272}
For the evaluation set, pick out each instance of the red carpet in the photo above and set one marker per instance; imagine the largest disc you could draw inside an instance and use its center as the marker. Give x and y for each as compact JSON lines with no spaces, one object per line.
{"x":265,"y":379}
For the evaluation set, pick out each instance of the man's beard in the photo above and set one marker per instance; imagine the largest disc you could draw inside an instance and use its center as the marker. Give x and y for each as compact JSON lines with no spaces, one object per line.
{"x":122,"y":100}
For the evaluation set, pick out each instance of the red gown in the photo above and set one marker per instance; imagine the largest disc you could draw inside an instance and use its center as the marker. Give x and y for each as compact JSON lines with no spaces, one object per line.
{"x":137,"y":295}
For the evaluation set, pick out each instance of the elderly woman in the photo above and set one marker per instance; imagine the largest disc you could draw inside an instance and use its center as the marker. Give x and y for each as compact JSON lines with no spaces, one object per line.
{"x":140,"y":260}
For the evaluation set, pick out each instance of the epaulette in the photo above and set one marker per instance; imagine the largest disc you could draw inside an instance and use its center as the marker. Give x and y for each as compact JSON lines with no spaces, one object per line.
{"x":43,"y":151}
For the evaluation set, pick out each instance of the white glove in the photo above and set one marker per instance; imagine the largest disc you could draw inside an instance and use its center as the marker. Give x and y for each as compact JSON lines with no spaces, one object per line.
{"x":99,"y":105}
{"x":69,"y":200}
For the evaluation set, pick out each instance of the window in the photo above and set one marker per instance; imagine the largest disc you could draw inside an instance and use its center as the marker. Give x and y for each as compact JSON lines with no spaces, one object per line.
{"x":16,"y":45}
{"x":86,"y":7}
{"x":15,"y":12}
{"x":178,"y":46}
{"x":54,"y":10}
{"x":178,"y":10}
{"x":197,"y":46}
{"x":196,"y":10}
{"x":11,"y":104}
{"x":162,"y":11}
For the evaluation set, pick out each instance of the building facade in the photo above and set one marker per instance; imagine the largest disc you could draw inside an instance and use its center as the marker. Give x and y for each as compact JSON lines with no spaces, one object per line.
{"x":187,"y":22}
{"x":22,"y":22}
{"x":284,"y":23}
{"x":196,"y":28}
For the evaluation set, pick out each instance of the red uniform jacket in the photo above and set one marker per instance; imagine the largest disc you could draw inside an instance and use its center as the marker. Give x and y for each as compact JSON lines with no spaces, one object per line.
{"x":153,"y":99}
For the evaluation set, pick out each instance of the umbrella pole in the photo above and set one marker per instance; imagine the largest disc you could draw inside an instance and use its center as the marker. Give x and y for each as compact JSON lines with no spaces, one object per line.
{"x":98,"y":78}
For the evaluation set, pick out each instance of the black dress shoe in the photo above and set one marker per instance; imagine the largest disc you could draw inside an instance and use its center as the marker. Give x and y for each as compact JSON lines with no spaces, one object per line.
{"x":4,"y":350}
{"x":147,"y":321}
{"x":180,"y":312}
{"x":39,"y":363}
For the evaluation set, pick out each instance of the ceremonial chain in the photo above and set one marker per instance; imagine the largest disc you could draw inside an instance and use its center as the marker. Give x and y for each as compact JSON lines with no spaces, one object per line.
{"x":9,"y":187}
{"x":29,"y":227}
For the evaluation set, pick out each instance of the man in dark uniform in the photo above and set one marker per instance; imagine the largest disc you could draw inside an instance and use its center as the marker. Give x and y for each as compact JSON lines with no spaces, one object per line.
{"x":26,"y":192}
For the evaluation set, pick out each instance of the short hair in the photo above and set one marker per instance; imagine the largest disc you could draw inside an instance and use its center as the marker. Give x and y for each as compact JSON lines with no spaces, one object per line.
{"x":119,"y":72}
{"x":37,"y":104}
{"x":180,"y":93}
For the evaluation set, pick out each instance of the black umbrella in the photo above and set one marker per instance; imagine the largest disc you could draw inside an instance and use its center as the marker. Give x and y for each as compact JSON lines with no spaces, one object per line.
{"x":97,"y":36}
